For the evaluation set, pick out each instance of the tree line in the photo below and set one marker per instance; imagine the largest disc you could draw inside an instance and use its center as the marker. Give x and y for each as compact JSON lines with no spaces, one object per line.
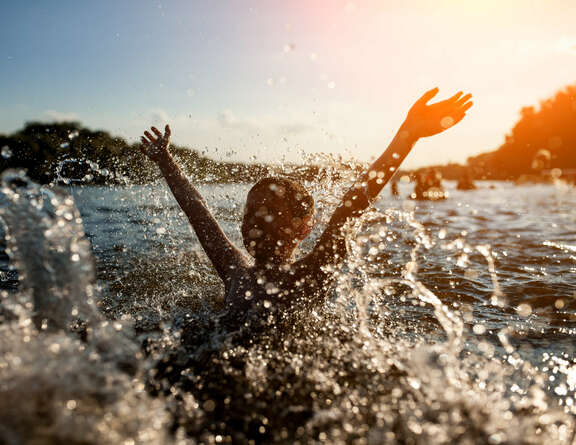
{"x":544,"y":138}
{"x":67,"y":152}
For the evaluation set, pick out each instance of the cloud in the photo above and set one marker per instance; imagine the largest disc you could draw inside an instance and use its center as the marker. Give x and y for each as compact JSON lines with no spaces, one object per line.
{"x":566,"y":45}
{"x":61,"y":116}
{"x":227,"y":120}
{"x":296,"y":128}
{"x":158,"y":117}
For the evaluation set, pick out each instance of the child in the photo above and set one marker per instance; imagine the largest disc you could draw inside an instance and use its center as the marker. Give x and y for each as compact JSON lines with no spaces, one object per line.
{"x":278,"y":216}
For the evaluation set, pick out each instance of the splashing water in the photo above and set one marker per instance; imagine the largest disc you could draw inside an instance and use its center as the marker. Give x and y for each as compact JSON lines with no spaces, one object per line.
{"x":46,"y":241}
{"x":90,"y":169}
{"x":389,"y":359}
{"x":66,"y":375}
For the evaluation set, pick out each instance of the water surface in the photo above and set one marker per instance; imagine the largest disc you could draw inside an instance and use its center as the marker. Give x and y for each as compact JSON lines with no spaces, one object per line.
{"x":452,"y":321}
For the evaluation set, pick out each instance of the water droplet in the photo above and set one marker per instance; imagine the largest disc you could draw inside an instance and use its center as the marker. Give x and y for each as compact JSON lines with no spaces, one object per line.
{"x":447,"y":122}
{"x":556,"y":173}
{"x":479,"y":329}
{"x":71,"y":404}
{"x":209,"y":405}
{"x":524,"y":310}
{"x":561,"y":390}
{"x":462,"y":261}
{"x":6,"y":152}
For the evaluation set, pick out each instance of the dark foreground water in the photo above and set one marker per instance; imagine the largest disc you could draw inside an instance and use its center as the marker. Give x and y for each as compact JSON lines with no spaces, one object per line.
{"x":452,"y":322}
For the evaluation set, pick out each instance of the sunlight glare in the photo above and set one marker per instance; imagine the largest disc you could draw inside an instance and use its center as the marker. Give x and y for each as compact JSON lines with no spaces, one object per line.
{"x":567,"y":45}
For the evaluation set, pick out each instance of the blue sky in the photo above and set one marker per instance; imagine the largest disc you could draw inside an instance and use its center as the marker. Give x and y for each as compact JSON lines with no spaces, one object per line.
{"x":275,"y":79}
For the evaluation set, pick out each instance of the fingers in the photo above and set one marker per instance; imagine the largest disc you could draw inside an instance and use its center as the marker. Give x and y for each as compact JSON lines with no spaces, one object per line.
{"x":462,"y":104}
{"x":461,"y":112}
{"x":158,"y":133}
{"x":457,"y":100}
{"x":427,"y":96}
{"x":463,"y":100}
{"x":453,"y":101}
{"x":466,"y":106}
{"x":456,"y":97}
{"x":151,"y":138}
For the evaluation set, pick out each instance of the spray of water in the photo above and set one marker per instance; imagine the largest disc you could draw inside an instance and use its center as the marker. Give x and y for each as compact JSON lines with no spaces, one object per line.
{"x":67,"y":375}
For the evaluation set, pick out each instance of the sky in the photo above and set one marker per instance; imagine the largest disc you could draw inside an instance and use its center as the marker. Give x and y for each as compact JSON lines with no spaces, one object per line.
{"x":274,"y":80}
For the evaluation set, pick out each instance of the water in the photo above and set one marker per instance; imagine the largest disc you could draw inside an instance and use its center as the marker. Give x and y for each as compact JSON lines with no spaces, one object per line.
{"x":452,"y":322}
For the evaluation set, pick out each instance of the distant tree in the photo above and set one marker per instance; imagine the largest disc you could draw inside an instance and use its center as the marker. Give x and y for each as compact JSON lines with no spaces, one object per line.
{"x":542,"y":138}
{"x":67,"y":152}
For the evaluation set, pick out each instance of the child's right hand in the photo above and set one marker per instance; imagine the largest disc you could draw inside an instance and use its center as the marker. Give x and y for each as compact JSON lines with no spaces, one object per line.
{"x":156,"y":148}
{"x":429,"y":119}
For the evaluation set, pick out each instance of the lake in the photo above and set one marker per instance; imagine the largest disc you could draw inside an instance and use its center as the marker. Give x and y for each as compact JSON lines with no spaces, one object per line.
{"x":451,"y":322}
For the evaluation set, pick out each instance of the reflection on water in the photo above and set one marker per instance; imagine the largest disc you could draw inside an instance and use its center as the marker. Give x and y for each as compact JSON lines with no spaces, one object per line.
{"x":451,"y":323}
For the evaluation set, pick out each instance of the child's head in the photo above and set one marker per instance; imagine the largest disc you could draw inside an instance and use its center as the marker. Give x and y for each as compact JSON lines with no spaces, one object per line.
{"x":278,"y":215}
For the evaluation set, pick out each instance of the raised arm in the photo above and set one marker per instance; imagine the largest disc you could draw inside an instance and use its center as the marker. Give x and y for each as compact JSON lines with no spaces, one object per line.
{"x":224,"y":255}
{"x":422,"y":120}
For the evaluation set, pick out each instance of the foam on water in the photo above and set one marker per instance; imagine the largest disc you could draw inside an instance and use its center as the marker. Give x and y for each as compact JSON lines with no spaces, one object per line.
{"x":387,"y":360}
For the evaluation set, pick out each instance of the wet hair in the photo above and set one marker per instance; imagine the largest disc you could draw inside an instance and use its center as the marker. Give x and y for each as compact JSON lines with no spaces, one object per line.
{"x":272,"y":193}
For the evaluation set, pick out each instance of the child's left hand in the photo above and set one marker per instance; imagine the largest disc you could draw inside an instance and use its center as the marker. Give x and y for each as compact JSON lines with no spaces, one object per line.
{"x":156,"y":148}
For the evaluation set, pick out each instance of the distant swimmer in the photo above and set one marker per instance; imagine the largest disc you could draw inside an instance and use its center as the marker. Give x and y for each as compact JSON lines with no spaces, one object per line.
{"x":279,"y":214}
{"x":429,"y":186}
{"x":465,"y":182}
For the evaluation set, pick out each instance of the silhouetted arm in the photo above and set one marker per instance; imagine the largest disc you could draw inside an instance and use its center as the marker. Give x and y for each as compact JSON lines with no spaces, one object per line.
{"x":422,"y":120}
{"x":222,"y":253}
